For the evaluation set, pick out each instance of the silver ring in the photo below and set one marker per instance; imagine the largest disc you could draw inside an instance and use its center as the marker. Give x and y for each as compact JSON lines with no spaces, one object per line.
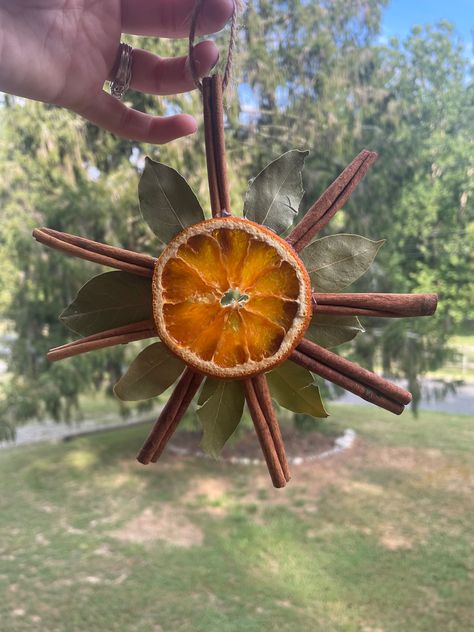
{"x":121,"y":82}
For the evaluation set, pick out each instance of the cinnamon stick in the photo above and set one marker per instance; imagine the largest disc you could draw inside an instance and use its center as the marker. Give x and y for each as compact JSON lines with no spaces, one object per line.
{"x":381,"y":305}
{"x":355,"y":371}
{"x":348,"y":383}
{"x":115,"y":331}
{"x":219,"y":143}
{"x":264,"y":435}
{"x":170,"y":416}
{"x":109,"y":338}
{"x":118,"y":258}
{"x":215,"y":145}
{"x":343,"y":310}
{"x":129,"y":256}
{"x":331,"y":201}
{"x":209,"y":144}
{"x":192,"y":389}
{"x":260,"y":384}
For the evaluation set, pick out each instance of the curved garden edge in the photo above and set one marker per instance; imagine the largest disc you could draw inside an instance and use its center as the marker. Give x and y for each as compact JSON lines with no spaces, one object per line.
{"x":341,"y":444}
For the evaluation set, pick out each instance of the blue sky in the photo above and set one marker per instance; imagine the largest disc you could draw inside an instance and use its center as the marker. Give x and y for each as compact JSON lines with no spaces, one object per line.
{"x":401,"y":15}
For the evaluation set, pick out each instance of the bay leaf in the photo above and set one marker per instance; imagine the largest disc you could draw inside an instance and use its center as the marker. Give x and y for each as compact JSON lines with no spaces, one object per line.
{"x":293,"y":387}
{"x":336,"y":261}
{"x":109,"y":300}
{"x":221,"y":404}
{"x":274,"y":196}
{"x":329,"y":330}
{"x":167,"y":202}
{"x":153,"y":371}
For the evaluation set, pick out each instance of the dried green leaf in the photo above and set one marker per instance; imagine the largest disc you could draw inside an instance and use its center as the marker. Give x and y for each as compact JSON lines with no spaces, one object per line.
{"x":336,"y":261}
{"x":329,"y":331}
{"x":293,"y":387}
{"x":153,"y":371}
{"x":221,"y":404}
{"x":274,"y":196}
{"x":109,"y":300}
{"x":167,"y":202}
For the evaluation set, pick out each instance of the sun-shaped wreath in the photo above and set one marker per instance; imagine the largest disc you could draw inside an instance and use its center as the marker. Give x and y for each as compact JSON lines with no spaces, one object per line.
{"x":245,"y":308}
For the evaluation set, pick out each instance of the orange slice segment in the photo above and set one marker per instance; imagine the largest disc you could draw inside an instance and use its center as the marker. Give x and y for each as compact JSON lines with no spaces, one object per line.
{"x":230,"y":298}
{"x":182,"y":282}
{"x":232,"y":347}
{"x":234,"y":247}
{"x":277,"y":281}
{"x":279,"y":311}
{"x":264,"y":337}
{"x":203,"y":253}
{"x":181,"y":319}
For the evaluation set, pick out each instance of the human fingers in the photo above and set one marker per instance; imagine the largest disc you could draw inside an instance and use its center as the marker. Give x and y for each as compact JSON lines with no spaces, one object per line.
{"x":171,"y":18}
{"x":111,"y":114}
{"x":157,"y":75}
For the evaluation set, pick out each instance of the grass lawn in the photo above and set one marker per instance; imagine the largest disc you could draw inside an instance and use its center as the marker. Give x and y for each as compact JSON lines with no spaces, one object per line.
{"x":378,"y":538}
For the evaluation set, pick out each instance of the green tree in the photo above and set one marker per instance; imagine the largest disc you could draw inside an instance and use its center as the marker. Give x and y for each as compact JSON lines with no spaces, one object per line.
{"x":424,"y":194}
{"x":323,"y":82}
{"x":64,"y":173}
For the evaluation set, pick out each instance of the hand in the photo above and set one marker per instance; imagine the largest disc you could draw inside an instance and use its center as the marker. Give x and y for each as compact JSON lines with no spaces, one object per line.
{"x":62,"y":52}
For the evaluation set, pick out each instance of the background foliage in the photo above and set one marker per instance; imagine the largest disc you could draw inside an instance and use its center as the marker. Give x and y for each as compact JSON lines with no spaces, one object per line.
{"x":311,"y":76}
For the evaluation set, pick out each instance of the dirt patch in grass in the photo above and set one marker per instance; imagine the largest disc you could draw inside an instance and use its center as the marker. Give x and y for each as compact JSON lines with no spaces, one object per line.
{"x":355,"y":472}
{"x":211,"y":493}
{"x":218,"y":496}
{"x":308,"y":482}
{"x":361,"y":488}
{"x":407,"y":458}
{"x":170,"y":525}
{"x":369,"y":475}
{"x":297,"y":443}
{"x":212,"y":488}
{"x":431,"y":468}
{"x":394,"y":541}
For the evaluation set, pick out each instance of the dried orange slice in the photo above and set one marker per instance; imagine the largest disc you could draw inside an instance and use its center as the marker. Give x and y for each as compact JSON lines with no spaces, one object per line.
{"x":230,"y":298}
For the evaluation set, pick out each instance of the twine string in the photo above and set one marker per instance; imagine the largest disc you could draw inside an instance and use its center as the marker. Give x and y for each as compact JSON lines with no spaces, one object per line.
{"x":230,"y":48}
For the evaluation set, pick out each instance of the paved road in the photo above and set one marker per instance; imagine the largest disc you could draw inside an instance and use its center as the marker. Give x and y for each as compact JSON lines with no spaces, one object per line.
{"x":460,"y":403}
{"x":35,"y":432}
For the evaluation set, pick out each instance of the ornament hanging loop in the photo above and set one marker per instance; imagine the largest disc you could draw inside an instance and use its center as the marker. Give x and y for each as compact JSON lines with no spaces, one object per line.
{"x":230,"y":49}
